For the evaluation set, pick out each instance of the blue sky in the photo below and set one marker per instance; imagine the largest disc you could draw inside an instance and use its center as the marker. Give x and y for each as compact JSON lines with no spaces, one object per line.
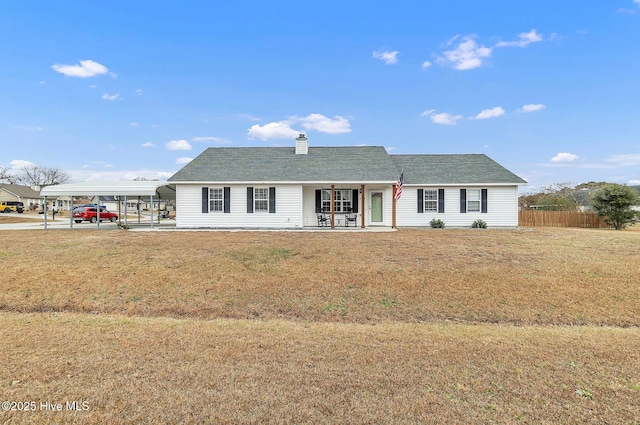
{"x":117,"y":90}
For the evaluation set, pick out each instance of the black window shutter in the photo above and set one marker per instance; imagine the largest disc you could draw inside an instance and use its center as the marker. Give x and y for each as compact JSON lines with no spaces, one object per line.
{"x":441,"y":201}
{"x":420,"y":201}
{"x":354,"y":200}
{"x":318,"y":200}
{"x":227,"y":200}
{"x":249,"y":200}
{"x":483,"y":203}
{"x":463,"y":201}
{"x":272,"y":200}
{"x":205,"y":200}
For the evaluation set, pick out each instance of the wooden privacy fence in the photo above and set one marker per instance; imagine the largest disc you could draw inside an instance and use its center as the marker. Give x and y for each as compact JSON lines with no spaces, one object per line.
{"x":537,"y":218}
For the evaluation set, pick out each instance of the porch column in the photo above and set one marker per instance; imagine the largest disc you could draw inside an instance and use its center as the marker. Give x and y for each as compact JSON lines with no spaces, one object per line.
{"x":333,"y":198}
{"x":393,"y":208}
{"x":362,"y":205}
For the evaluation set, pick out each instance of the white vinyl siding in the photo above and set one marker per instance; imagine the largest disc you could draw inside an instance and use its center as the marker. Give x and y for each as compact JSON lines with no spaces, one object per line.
{"x":189,"y":209}
{"x":502,"y":204}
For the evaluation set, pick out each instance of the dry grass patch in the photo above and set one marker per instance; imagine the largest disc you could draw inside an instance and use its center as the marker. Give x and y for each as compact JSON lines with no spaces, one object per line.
{"x":159,"y":370}
{"x":558,"y":276}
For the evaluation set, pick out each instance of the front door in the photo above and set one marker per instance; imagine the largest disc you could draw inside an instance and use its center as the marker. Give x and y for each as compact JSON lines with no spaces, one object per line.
{"x":376,"y":207}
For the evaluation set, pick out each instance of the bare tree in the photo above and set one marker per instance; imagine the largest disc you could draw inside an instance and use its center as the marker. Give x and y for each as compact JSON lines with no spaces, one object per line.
{"x":35,"y":175}
{"x":4,"y":174}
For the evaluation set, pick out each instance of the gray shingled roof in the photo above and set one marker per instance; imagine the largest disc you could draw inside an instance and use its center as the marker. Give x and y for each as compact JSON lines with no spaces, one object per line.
{"x":453,"y":169}
{"x":281,"y":164}
{"x":21,"y":191}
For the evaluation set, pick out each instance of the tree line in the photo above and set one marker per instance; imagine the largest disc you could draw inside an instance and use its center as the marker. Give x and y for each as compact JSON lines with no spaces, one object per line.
{"x":34,"y":175}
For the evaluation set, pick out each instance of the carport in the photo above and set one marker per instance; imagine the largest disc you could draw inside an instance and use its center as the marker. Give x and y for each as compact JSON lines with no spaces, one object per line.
{"x":148,"y":190}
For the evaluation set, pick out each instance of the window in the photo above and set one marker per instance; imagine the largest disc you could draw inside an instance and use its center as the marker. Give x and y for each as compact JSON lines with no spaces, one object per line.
{"x":261,"y":199}
{"x":473,"y":200}
{"x":431,"y":200}
{"x":216,"y":199}
{"x":343,"y":201}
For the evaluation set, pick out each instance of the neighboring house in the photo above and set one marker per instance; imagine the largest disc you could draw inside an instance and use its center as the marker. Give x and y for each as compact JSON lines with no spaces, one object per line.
{"x":28,"y":196}
{"x":282,"y":187}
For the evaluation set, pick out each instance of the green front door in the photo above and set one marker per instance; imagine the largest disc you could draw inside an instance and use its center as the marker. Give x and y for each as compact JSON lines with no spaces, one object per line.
{"x":376,"y":207}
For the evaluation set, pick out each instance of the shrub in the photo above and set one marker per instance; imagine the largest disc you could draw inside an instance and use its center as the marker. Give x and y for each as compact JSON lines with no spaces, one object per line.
{"x":479,"y":224}
{"x":436,"y":223}
{"x":614,"y":203}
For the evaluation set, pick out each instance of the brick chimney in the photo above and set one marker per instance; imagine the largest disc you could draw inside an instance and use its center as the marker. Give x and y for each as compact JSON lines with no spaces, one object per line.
{"x":302,"y":145}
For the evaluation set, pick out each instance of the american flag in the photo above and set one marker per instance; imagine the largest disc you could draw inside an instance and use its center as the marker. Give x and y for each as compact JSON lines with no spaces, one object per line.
{"x":398,"y":193}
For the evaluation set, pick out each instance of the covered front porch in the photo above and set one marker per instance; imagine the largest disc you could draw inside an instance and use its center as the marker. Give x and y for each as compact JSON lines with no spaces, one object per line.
{"x":336,"y":206}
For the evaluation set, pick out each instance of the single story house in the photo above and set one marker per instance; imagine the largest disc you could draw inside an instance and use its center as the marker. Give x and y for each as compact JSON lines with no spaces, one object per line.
{"x":27,"y":195}
{"x":292,"y":187}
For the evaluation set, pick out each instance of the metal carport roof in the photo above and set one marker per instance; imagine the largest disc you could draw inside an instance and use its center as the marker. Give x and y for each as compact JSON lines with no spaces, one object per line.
{"x":144,"y":189}
{"x":117,"y":188}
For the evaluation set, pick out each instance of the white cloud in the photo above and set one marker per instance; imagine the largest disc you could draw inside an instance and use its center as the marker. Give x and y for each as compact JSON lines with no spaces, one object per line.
{"x":178,"y":145}
{"x":138,"y":91}
{"x":524,"y":39}
{"x":273,"y":130}
{"x":426,"y":64}
{"x":215,"y":140}
{"x":183,"y":160}
{"x":564,"y":157}
{"x":93,"y":86}
{"x":490,"y":113}
{"x":283,"y":130}
{"x":21,"y":163}
{"x":148,"y":145}
{"x":633,"y":182}
{"x":445,"y":118}
{"x":466,"y":55}
{"x":108,"y":96}
{"x":42,"y":83}
{"x":134,"y":124}
{"x":389,"y":58}
{"x":87,"y":68}
{"x":324,"y":124}
{"x":532,"y":107}
{"x":427,"y":113}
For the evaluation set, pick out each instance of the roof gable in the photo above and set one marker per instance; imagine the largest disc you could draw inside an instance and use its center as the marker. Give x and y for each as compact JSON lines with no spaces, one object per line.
{"x":20,"y":191}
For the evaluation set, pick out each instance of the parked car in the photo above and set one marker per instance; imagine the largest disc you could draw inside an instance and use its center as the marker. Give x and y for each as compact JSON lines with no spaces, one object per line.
{"x":8,"y":206}
{"x":81,"y":214}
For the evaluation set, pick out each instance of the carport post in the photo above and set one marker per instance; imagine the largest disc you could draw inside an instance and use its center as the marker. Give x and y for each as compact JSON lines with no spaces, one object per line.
{"x":71,"y":213}
{"x":152,"y":211}
{"x":98,"y":211}
{"x":125,"y":210}
{"x":45,"y":212}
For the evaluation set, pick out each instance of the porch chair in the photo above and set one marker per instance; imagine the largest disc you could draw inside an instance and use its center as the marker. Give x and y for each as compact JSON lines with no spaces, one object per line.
{"x":323,"y":220}
{"x":350,"y":217}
